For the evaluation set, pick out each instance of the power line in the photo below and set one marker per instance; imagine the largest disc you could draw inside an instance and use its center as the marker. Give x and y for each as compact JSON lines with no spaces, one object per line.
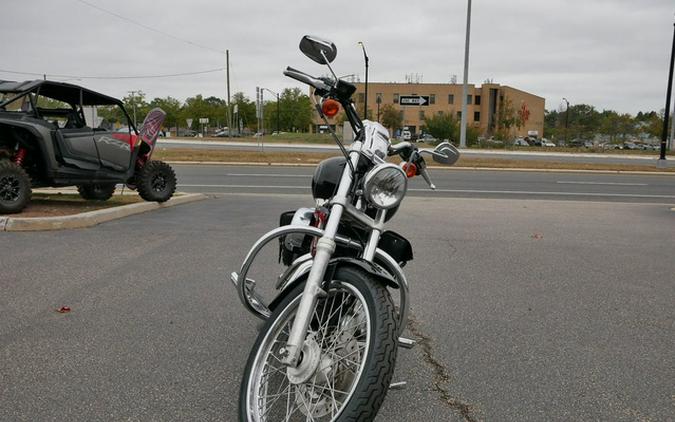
{"x":170,"y":75}
{"x":149,"y":28}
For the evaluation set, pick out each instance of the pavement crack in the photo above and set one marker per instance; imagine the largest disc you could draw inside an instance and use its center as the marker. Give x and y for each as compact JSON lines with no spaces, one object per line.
{"x":440,"y":374}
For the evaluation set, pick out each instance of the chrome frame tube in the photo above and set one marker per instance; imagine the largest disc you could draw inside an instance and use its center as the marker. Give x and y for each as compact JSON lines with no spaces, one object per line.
{"x":252,"y":304}
{"x":385,"y":261}
{"x":325,"y":248}
{"x":373,"y":240}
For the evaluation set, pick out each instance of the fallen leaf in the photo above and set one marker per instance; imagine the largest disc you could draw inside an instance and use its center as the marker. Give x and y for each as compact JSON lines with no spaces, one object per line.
{"x":63,"y":310}
{"x":537,"y":236}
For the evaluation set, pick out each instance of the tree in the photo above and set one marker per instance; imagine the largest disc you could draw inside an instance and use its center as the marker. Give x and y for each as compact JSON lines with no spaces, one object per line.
{"x":172,"y":108}
{"x":391,"y":117}
{"x":506,"y":119}
{"x":442,"y":126}
{"x":296,"y":110}
{"x":245,"y":110}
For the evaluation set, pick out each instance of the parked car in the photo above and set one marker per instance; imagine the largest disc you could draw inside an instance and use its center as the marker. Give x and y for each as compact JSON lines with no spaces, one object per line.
{"x":426,"y":137}
{"x":546,"y":143}
{"x":630,"y":145}
{"x":588,"y":144}
{"x":46,"y":140}
{"x":609,"y":145}
{"x":188,"y":133}
{"x":520,"y":142}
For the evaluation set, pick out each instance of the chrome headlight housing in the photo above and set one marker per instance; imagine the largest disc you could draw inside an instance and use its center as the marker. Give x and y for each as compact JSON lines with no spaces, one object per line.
{"x":385,"y":186}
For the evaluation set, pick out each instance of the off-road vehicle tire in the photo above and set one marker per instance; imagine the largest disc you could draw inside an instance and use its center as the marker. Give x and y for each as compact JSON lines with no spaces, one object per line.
{"x":97,"y":192}
{"x":15,"y":188}
{"x":156,"y":181}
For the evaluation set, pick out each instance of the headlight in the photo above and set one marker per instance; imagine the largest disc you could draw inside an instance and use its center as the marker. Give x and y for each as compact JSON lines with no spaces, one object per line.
{"x":385,"y":186}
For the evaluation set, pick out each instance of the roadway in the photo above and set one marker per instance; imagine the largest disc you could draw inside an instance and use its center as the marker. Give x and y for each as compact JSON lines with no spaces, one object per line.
{"x":631,"y":159}
{"x":530,"y":310}
{"x":590,"y":186}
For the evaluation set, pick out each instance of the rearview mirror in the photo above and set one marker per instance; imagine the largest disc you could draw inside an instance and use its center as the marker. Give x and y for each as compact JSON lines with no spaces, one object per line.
{"x":320,"y":50}
{"x":445,"y":153}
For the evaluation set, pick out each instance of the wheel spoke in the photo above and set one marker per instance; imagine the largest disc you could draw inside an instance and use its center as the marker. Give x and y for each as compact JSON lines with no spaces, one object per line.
{"x":339,"y":332}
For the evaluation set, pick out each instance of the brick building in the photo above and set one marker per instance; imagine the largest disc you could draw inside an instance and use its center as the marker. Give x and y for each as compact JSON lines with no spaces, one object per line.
{"x":483,"y":105}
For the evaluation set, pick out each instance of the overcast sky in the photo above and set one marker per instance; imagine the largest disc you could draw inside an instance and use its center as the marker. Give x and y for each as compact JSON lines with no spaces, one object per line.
{"x":613,"y":54}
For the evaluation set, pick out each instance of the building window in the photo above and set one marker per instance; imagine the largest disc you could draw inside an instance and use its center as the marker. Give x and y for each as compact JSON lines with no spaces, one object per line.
{"x":432,"y":98}
{"x":361,"y":97}
{"x":476,"y":116}
{"x":402,"y":115}
{"x":396,"y":98}
{"x":451,"y":99}
{"x":422,"y":115}
{"x":468,"y":99}
{"x":459,"y":115}
{"x":439,"y":113}
{"x":477,"y":102}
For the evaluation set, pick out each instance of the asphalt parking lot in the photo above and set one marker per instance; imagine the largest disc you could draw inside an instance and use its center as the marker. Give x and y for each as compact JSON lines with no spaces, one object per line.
{"x":531,"y":310}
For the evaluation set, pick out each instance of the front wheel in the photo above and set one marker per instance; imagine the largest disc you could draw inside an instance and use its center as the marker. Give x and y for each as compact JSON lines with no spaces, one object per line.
{"x":347,"y":360}
{"x":15,"y":188}
{"x":156,"y":181}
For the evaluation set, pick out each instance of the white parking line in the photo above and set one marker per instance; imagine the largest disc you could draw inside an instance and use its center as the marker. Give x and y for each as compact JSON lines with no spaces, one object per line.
{"x":569,"y":182}
{"x":267,"y":175}
{"x":477,"y":191}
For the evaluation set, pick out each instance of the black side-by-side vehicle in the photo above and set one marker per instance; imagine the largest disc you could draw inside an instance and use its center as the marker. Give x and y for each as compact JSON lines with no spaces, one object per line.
{"x":52,"y":134}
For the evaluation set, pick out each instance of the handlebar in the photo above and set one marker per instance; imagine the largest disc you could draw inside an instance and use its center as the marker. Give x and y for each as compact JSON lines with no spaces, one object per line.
{"x":306,"y":78}
{"x":409,"y":152}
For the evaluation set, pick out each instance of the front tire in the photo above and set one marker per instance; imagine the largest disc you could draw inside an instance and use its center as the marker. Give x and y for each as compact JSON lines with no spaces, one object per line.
{"x":156,"y":181}
{"x":96,"y":192}
{"x":15,"y":188}
{"x":347,"y":363}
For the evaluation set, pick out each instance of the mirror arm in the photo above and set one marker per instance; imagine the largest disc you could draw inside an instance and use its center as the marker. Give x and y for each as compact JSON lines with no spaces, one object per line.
{"x":327,"y":63}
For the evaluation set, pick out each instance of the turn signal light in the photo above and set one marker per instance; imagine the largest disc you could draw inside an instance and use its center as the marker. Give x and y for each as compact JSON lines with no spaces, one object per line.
{"x":330,"y":107}
{"x":410,"y":169}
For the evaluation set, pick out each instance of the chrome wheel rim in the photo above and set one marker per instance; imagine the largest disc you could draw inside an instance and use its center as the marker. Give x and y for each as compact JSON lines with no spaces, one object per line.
{"x":320,"y":390}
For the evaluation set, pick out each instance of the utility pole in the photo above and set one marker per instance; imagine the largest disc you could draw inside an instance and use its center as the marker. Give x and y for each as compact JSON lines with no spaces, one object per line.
{"x":229,"y":114}
{"x":465,"y":89}
{"x":133,"y":104}
{"x":365,"y":96}
{"x":661,"y":163}
{"x":671,"y":145}
{"x":278,"y":105}
{"x":567,"y":118}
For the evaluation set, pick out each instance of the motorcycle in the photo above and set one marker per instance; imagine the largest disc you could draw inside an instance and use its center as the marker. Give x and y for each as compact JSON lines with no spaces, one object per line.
{"x":328,"y":346}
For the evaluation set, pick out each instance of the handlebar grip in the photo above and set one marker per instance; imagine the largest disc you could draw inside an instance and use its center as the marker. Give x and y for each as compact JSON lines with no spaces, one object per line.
{"x":305,"y":78}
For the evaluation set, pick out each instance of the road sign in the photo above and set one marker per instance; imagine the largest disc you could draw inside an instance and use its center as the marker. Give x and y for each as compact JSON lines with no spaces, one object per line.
{"x":414,"y":100}
{"x":189,"y":122}
{"x":204,"y":120}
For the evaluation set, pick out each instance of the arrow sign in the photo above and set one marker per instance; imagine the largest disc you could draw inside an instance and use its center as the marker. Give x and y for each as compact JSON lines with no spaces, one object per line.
{"x":414,"y":100}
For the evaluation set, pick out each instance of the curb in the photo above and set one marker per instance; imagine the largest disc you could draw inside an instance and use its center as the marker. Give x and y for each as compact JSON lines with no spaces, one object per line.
{"x":258,"y":164}
{"x":90,"y":218}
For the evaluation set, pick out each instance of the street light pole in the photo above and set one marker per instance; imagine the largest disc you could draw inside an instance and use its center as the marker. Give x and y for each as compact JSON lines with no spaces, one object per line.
{"x":378,"y":100}
{"x":278,"y":119}
{"x":664,"y":133}
{"x":567,"y":118}
{"x":465,"y":89}
{"x":365,"y":96}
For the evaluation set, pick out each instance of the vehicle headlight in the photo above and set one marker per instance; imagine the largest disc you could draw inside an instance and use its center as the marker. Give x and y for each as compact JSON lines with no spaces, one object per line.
{"x":385,"y":185}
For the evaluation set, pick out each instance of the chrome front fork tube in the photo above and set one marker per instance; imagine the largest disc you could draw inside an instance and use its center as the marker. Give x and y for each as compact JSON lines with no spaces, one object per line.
{"x":325,"y":248}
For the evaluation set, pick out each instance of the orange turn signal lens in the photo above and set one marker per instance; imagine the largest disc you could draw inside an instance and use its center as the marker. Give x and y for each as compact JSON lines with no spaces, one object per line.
{"x":410,"y":169}
{"x":330,"y":107}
